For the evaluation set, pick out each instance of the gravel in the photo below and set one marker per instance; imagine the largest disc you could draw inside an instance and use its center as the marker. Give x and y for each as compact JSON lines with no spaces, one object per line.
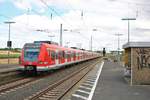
{"x":28,"y":90}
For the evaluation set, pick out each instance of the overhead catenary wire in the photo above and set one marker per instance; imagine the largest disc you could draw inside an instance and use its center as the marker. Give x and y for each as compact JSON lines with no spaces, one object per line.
{"x":82,"y":19}
{"x":61,"y":17}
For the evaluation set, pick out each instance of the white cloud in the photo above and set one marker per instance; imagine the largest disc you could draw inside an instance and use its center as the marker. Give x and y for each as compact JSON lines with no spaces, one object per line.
{"x":103,"y":15}
{"x":22,"y":4}
{"x":1,"y":1}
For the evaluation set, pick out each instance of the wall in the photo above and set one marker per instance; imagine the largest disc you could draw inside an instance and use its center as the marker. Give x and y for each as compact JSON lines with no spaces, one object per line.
{"x":140,"y":64}
{"x":127,"y":58}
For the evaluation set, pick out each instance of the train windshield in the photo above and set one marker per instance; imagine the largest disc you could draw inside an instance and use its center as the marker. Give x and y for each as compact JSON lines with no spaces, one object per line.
{"x":31,"y":54}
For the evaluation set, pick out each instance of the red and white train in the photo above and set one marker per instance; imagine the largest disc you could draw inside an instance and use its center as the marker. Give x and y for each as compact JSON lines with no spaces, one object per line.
{"x":43,"y":55}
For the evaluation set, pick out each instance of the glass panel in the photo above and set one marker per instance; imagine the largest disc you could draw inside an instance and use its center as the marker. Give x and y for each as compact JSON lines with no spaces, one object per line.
{"x":31,"y":54}
{"x":53,"y":55}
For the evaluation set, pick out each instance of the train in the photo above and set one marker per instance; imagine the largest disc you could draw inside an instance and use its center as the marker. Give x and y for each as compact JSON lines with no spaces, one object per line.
{"x":47,"y":55}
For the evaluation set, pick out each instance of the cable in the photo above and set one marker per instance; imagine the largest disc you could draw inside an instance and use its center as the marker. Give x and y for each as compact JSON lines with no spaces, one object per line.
{"x":51,"y":9}
{"x":59,"y":16}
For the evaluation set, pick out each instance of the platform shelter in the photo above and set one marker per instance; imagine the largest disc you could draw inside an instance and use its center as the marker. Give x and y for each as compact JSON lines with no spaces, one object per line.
{"x":137,"y":62}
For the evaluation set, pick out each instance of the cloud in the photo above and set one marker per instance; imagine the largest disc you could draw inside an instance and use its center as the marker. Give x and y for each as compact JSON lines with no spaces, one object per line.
{"x":22,"y":4}
{"x":1,"y":1}
{"x":103,"y":15}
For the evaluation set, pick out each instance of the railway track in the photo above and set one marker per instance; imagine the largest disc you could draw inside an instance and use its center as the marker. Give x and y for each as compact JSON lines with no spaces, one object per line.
{"x":10,"y":76}
{"x":30,"y":81}
{"x":18,"y":82}
{"x":57,"y":90}
{"x":9,"y":73}
{"x":21,"y":82}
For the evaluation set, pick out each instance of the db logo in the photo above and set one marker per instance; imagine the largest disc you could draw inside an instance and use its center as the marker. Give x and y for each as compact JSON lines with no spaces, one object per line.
{"x":30,"y":63}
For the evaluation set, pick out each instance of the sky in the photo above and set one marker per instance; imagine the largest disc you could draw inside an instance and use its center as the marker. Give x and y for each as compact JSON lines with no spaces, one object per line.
{"x":81,"y":20}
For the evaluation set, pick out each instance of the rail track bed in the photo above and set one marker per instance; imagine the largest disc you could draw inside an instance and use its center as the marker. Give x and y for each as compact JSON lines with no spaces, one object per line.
{"x":60,"y":88}
{"x":35,"y":87}
{"x":10,"y":76}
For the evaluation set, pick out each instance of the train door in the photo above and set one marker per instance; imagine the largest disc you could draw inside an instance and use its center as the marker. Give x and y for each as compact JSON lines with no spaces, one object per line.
{"x":53,"y":57}
{"x":78,"y":56}
{"x":61,"y":57}
{"x":65,"y":56}
{"x":69,"y":56}
{"x":56,"y":57}
{"x":72,"y":56}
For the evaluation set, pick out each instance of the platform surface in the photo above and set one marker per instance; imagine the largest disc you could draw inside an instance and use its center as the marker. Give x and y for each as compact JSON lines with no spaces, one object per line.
{"x":112,"y":86}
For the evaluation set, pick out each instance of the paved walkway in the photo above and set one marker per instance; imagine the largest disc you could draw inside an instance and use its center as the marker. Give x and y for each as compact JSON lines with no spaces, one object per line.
{"x":112,"y":86}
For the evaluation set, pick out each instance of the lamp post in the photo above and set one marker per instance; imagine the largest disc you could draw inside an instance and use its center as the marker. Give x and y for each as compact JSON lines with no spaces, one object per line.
{"x":61,"y":40}
{"x":91,"y":42}
{"x":128,"y":19}
{"x":9,"y":43}
{"x":92,"y":39}
{"x":118,"y":45}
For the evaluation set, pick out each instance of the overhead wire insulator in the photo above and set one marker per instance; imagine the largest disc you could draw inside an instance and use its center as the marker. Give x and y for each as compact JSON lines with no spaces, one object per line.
{"x":82,"y":15}
{"x":51,"y":16}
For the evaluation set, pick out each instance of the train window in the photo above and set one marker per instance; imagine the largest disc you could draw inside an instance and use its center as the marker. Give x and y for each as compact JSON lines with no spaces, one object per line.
{"x":31,"y":54}
{"x":56,"y":55}
{"x":77,"y":54}
{"x":53,"y":55}
{"x":70,"y":54}
{"x":66,"y":54}
{"x":73,"y":54}
{"x":63,"y":54}
{"x":60,"y":54}
{"x":49,"y":53}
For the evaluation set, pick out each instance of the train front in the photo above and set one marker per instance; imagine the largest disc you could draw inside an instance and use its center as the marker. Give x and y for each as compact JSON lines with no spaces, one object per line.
{"x":29,"y":57}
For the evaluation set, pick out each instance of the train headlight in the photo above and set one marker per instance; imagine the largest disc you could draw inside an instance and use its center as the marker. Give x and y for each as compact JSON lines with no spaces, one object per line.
{"x":45,"y":62}
{"x":40,"y":62}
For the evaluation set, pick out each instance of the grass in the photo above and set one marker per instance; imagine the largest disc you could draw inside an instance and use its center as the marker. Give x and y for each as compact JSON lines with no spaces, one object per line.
{"x":3,"y":56}
{"x":13,"y":54}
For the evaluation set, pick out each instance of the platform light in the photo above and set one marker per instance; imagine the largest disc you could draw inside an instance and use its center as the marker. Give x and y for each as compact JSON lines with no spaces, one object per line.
{"x":128,"y":19}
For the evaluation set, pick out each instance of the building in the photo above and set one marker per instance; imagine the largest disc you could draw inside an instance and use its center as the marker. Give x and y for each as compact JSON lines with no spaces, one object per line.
{"x":137,"y":61}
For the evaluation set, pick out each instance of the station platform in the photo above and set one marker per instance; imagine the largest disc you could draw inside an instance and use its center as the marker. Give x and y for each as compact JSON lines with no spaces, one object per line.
{"x":111,"y":85}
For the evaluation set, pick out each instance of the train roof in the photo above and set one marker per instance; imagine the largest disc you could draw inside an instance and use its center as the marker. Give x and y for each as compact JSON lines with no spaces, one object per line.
{"x":136,"y":44}
{"x":55,"y":46}
{"x":48,"y":42}
{"x":62,"y":48}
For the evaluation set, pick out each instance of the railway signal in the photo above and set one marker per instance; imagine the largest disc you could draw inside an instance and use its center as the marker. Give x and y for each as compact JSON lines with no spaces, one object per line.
{"x":9,"y":43}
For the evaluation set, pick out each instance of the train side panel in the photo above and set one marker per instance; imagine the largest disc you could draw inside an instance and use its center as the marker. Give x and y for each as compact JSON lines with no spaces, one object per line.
{"x":52,"y":56}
